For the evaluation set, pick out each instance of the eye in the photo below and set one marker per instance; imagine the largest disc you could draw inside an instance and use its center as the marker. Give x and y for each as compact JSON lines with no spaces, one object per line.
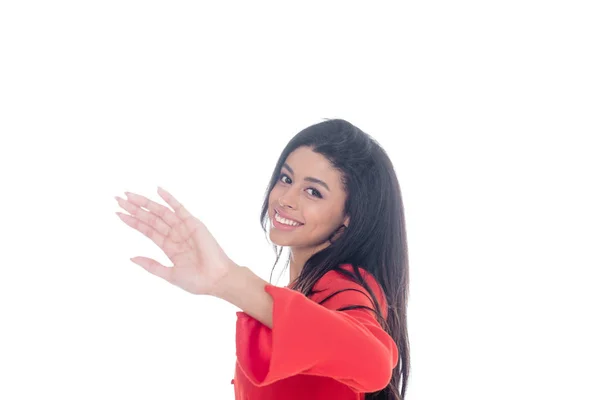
{"x":282,"y":175}
{"x":317,"y":193}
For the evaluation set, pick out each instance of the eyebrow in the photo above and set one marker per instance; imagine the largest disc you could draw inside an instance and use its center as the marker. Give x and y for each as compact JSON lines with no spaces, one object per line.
{"x":308,"y":178}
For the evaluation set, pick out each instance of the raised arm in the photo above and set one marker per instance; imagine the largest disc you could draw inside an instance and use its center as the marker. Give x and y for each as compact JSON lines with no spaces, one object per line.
{"x":246,"y":290}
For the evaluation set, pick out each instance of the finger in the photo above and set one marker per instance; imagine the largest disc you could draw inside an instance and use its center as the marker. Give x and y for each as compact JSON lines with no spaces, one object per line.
{"x":168,"y":246}
{"x":179,"y":209}
{"x":154,"y":267}
{"x":147,"y":217}
{"x":190,"y":222}
{"x":162,"y":211}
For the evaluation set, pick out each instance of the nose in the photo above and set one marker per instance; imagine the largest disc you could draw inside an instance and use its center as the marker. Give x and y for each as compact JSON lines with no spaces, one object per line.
{"x":286,"y":200}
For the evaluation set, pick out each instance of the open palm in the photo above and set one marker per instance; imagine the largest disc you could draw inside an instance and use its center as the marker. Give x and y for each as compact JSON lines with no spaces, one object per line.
{"x":198,"y":261}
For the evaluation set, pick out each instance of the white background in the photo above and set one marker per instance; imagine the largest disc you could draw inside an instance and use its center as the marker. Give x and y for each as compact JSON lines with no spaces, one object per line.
{"x":489,"y":111}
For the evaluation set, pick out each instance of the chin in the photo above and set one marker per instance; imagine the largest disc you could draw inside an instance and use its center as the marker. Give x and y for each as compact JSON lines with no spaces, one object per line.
{"x":277,"y":241}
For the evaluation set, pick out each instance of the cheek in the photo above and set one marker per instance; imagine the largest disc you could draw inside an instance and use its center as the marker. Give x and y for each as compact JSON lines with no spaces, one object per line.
{"x":319,"y":218}
{"x":274,"y":195}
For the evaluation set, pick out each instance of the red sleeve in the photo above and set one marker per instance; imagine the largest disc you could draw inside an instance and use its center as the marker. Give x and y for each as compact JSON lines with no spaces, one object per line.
{"x":313,"y":339}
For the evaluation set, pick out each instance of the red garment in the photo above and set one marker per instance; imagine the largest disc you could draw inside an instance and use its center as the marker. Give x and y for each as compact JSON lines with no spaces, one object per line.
{"x":314,"y":352}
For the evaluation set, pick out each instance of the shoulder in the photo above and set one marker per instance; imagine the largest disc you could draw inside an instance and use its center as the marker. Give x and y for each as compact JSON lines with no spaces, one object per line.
{"x":335,"y":289}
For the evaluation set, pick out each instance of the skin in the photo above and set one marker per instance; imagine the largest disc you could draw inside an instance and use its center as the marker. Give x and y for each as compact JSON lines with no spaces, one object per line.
{"x":200,"y":266}
{"x":319,"y":208}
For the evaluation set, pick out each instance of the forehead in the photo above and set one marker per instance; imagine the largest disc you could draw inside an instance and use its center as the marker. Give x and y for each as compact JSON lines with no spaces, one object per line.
{"x":307,"y":163}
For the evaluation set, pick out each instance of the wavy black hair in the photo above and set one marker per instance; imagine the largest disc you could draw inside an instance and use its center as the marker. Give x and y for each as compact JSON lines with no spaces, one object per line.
{"x":375,"y":238}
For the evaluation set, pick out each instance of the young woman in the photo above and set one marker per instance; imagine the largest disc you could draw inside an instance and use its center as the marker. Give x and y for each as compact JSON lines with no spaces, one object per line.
{"x":338,"y":330}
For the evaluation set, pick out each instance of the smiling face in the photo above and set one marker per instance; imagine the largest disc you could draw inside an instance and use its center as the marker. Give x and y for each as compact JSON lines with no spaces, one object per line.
{"x":309,"y":191}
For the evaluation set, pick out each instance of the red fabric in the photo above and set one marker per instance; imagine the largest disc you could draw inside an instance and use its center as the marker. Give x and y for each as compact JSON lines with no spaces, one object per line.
{"x":312,"y":351}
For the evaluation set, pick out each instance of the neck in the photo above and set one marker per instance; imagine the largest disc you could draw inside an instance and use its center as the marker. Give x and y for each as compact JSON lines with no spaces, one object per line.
{"x":296,"y":265}
{"x":298,"y":258}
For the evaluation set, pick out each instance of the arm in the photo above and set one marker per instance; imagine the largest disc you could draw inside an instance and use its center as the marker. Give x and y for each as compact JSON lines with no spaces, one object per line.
{"x":246,"y":290}
{"x":282,"y":333}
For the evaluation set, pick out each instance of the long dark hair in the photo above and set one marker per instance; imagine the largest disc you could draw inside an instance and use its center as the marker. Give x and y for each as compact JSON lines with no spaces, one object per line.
{"x":375,"y":239}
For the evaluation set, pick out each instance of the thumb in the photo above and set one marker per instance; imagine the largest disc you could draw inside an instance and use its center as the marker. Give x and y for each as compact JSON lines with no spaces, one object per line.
{"x":154,"y":267}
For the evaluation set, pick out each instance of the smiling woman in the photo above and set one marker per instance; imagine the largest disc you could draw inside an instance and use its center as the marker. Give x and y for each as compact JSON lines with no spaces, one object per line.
{"x":299,"y":199}
{"x":339,"y":330}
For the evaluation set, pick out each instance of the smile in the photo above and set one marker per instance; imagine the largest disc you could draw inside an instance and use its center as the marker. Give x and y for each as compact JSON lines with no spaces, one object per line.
{"x":285,"y":221}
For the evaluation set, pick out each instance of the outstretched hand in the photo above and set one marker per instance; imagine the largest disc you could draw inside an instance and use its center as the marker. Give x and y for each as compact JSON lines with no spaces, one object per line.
{"x":199,"y":263}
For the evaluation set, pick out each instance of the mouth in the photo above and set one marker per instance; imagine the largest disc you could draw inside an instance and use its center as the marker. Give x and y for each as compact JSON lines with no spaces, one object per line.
{"x":282,"y":222}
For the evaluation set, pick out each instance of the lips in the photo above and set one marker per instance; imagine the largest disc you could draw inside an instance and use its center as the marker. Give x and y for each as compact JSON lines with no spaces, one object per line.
{"x":286,"y":216}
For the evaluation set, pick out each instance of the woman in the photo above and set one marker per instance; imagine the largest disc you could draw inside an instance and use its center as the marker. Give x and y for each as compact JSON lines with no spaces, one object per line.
{"x":338,"y":331}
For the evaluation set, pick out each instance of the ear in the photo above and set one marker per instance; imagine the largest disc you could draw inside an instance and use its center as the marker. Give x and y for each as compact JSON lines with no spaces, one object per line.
{"x":347,"y":221}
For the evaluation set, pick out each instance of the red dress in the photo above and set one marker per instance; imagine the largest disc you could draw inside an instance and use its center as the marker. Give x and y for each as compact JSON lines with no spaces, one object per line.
{"x":314,"y":352}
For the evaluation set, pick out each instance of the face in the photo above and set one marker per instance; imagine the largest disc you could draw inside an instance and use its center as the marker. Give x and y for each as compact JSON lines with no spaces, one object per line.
{"x":309,"y":191}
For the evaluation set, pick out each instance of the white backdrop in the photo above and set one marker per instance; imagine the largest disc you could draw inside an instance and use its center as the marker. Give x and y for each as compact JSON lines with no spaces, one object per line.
{"x":489,"y":111}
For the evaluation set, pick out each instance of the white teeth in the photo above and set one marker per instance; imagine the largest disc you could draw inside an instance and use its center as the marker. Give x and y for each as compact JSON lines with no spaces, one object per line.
{"x":285,"y":221}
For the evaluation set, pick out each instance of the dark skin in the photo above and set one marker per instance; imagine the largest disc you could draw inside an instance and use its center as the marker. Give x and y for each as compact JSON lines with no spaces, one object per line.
{"x":318,"y":207}
{"x":200,"y":266}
